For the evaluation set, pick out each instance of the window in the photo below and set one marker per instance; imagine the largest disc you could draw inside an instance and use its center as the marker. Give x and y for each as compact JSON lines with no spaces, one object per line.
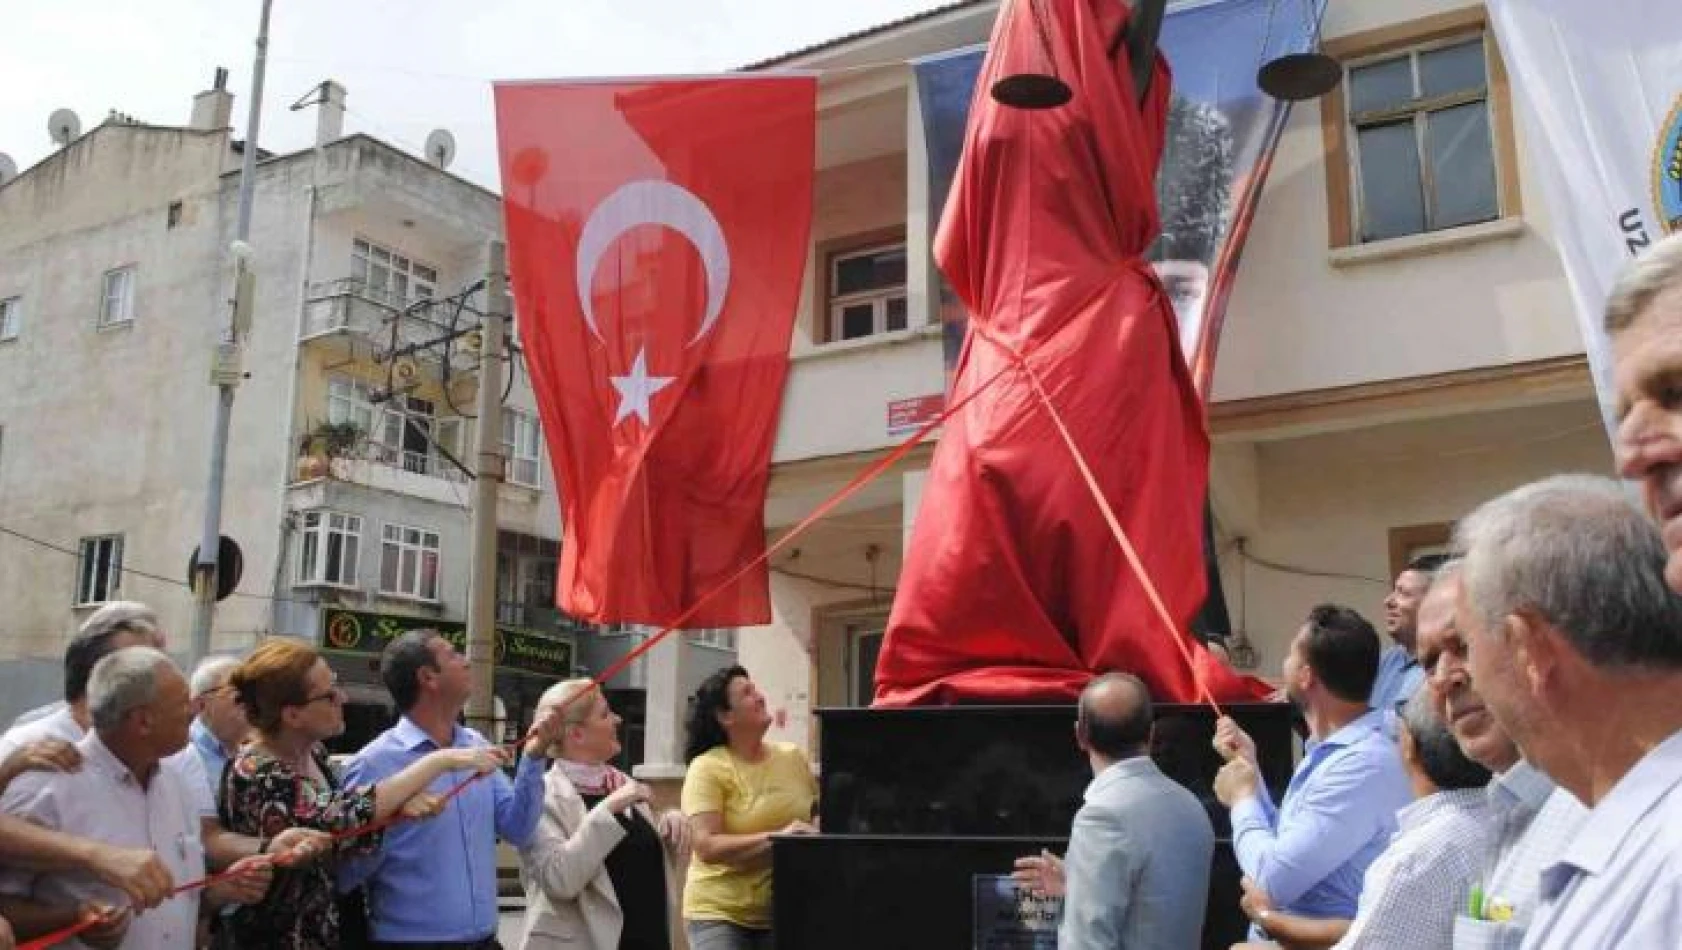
{"x":409,"y":562}
{"x":329,"y":552}
{"x":522,"y":440}
{"x":1423,"y":154}
{"x":348,"y":401}
{"x":172,"y":217}
{"x":864,"y":645}
{"x":1420,"y":137}
{"x":116,"y":305}
{"x":866,"y":292}
{"x":11,"y":317}
{"x":99,"y":576}
{"x":407,"y":427}
{"x":720,"y":638}
{"x":1411,"y":541}
{"x":389,"y":276}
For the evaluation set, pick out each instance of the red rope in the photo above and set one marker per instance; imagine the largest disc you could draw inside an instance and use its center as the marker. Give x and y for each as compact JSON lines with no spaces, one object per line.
{"x":822,"y":511}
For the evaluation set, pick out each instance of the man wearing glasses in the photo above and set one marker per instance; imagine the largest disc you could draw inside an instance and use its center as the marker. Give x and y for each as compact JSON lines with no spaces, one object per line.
{"x":219,"y":725}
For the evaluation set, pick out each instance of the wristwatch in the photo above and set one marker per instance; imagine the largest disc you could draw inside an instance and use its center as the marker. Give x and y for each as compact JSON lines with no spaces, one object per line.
{"x":1262,"y":918}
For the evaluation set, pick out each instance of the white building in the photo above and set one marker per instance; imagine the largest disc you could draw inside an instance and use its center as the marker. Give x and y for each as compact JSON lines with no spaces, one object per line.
{"x":1367,"y":392}
{"x":114,"y":282}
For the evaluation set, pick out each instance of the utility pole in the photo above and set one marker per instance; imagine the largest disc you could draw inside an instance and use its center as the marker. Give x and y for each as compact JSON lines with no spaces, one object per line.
{"x":487,"y":483}
{"x":226,"y":368}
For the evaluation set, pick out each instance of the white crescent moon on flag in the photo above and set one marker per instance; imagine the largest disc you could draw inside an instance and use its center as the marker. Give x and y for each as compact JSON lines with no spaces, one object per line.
{"x":663,"y":203}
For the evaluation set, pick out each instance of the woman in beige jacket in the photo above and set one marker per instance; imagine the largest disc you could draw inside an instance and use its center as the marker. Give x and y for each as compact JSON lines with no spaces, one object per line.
{"x":601,"y":871}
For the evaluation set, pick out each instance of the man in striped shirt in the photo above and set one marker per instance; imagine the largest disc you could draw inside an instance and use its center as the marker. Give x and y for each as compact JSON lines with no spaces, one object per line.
{"x":1531,"y":819}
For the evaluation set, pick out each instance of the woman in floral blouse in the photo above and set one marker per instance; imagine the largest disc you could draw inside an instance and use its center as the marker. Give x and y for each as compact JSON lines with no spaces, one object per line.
{"x":282,"y":780}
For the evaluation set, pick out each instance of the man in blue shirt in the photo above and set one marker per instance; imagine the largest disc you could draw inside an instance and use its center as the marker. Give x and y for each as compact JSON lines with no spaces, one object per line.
{"x":219,"y":726}
{"x":1310,"y":854}
{"x":1399,"y":673}
{"x":433,"y":882}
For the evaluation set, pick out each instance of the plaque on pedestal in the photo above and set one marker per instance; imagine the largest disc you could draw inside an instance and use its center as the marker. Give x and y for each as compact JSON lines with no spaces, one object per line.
{"x":1009,"y":917}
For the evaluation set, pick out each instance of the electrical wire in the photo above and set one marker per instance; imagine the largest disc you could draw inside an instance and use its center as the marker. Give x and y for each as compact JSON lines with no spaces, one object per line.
{"x":830,"y":582}
{"x":126,"y":570}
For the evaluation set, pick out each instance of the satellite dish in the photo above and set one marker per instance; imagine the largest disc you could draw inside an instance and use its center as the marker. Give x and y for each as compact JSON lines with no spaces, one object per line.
{"x":441,"y":148}
{"x":64,"y":126}
{"x":8,"y":168}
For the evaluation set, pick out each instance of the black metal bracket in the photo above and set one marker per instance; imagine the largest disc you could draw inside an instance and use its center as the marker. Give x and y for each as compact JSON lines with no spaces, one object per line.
{"x":1141,"y":34}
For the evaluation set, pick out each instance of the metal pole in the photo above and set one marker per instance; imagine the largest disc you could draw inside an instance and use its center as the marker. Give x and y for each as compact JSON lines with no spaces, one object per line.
{"x":204,"y":574}
{"x":481,"y":601}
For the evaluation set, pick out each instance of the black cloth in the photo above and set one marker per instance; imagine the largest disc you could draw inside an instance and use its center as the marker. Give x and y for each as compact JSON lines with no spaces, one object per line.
{"x":637,"y":868}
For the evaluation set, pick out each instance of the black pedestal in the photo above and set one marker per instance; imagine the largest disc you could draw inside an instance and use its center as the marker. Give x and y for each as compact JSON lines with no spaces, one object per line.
{"x":916,"y":802}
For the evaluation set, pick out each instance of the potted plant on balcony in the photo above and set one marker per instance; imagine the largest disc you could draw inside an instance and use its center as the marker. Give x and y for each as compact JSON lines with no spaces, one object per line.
{"x":324,"y":443}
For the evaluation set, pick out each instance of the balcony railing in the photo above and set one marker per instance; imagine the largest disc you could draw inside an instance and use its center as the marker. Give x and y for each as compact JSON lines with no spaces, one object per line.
{"x":350,"y":305}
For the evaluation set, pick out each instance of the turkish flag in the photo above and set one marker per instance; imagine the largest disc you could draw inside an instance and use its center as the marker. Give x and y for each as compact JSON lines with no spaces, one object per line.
{"x":658,"y":233}
{"x":1013,"y":588}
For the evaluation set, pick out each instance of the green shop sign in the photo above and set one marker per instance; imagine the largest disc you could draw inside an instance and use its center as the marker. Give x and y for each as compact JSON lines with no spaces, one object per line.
{"x":526,"y":651}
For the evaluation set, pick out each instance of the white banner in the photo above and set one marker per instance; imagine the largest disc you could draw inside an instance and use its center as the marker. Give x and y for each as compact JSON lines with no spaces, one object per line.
{"x":1600,"y":88}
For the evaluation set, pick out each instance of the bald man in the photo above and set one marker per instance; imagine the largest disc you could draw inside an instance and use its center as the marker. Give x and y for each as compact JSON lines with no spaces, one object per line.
{"x":1137,"y":871}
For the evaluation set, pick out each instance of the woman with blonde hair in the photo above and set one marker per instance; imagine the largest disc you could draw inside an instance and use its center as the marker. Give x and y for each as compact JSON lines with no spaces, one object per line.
{"x":601,"y":871}
{"x":282,"y":779}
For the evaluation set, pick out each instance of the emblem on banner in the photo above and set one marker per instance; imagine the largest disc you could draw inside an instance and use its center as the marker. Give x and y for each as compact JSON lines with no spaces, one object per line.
{"x":1667,"y":171}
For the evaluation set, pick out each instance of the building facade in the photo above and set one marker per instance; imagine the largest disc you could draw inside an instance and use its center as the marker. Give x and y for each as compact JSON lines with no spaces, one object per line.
{"x":1400,"y":344}
{"x":348,"y":475}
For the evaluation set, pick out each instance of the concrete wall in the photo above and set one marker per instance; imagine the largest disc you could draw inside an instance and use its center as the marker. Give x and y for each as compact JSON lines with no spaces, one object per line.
{"x":1297,"y":321}
{"x":107,"y":429}
{"x":1327,"y":504}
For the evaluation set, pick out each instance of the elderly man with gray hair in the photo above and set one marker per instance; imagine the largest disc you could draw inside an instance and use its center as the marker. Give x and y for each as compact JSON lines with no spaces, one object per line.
{"x":219,"y":724}
{"x":1575,"y":645}
{"x":138,"y":706}
{"x":1644,"y":320}
{"x":119,"y":624}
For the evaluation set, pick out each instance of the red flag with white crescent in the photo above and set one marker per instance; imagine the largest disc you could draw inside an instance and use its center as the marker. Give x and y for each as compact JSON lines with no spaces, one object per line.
{"x":657,"y":236}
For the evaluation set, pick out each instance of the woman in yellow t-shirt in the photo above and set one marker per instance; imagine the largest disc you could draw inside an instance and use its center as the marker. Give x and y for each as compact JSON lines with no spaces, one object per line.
{"x":740,"y":790}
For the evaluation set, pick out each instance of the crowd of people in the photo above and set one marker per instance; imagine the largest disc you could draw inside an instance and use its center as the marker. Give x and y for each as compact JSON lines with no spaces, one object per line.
{"x":116,"y":804}
{"x":1505,"y":773}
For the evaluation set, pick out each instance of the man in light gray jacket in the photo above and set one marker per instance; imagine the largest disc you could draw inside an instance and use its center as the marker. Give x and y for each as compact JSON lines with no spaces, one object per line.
{"x":1137,"y":871}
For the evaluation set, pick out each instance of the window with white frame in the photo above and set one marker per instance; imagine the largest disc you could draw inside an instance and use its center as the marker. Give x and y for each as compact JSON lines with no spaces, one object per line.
{"x":348,"y":401}
{"x":330,"y":549}
{"x":116,"y":303}
{"x":522,"y":443}
{"x":721,"y":638}
{"x":11,"y":318}
{"x":407,"y":428}
{"x":1422,"y":153}
{"x":409,"y":562}
{"x":867,"y":292}
{"x":389,"y":276}
{"x":99,"y":575}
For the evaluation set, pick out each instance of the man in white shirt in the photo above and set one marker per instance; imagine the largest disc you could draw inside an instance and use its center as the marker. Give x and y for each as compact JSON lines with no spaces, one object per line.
{"x":113,"y":627}
{"x":1644,"y":323}
{"x":122,"y":795}
{"x":1575,"y":645}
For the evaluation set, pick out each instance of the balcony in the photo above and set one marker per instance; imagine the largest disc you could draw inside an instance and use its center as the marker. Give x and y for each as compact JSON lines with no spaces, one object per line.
{"x":387,"y":319}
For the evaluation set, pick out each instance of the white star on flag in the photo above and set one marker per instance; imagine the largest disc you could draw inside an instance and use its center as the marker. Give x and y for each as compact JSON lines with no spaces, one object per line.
{"x":636,"y":389}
